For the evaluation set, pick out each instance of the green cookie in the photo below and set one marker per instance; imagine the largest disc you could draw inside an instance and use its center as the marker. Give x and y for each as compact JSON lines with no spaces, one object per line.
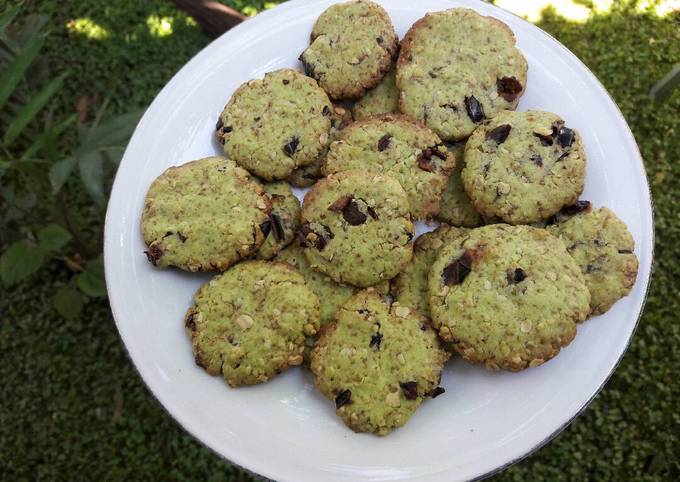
{"x":352,"y":47}
{"x":507,"y":296}
{"x":250,"y":323}
{"x":356,"y":227}
{"x":284,"y":220}
{"x":603,"y":248}
{"x":394,"y":144}
{"x":457,"y":210}
{"x":378,"y":363}
{"x":203,"y":215}
{"x":273,"y":125}
{"x":523,"y":167}
{"x":306,"y":176}
{"x":383,"y":99}
{"x":457,"y":68}
{"x":410,"y":287}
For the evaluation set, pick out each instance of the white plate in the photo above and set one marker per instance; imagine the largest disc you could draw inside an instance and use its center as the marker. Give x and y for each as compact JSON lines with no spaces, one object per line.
{"x":284,"y":429}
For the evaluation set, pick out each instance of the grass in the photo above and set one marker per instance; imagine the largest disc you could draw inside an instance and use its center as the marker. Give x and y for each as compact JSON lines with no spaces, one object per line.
{"x":72,"y":406}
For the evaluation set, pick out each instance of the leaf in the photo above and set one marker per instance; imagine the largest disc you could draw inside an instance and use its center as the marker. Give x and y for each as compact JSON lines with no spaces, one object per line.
{"x":53,"y":237}
{"x":60,"y":172}
{"x":31,"y":109}
{"x":114,"y":132}
{"x":92,"y":175}
{"x":14,"y":72}
{"x":21,"y":260}
{"x":25,"y":201}
{"x":92,"y":281}
{"x":113,"y":155}
{"x":8,"y":15}
{"x":48,"y":137}
{"x":68,"y":303}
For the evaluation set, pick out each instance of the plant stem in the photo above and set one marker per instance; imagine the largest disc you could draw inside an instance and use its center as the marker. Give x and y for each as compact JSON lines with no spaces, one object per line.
{"x":81,"y":247}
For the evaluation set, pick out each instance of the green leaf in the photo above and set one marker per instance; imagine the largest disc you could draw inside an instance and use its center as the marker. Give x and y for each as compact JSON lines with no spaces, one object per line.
{"x":53,"y":237}
{"x":8,"y":15}
{"x":14,"y":72}
{"x":114,"y":132}
{"x":31,"y":109}
{"x":92,"y":175}
{"x":48,"y":137}
{"x":60,"y":172}
{"x":20,"y":261}
{"x":68,"y":303}
{"x":92,"y":281}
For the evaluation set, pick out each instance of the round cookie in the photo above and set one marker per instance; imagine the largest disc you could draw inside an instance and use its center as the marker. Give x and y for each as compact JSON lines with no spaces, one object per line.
{"x":261,"y":330}
{"x":393,"y":144}
{"x":356,"y":227}
{"x":306,"y":176}
{"x":507,"y":296}
{"x":273,"y":125}
{"x":410,"y":287}
{"x":284,"y":220}
{"x":377,"y":363}
{"x":603,"y":248}
{"x":457,"y":68}
{"x":382,"y":99}
{"x":203,"y":215}
{"x":457,"y":210}
{"x":351,"y":50}
{"x":331,"y":295}
{"x":523,"y":167}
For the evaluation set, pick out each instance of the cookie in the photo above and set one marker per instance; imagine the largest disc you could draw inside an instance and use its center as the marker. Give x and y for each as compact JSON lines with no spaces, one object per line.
{"x":382,"y":99}
{"x":377,"y":363}
{"x":507,"y":296}
{"x":410,"y":287}
{"x":250,"y":323}
{"x":273,"y":125}
{"x":306,"y":176}
{"x":356,"y":227}
{"x":351,"y":50}
{"x":284,"y":220}
{"x":523,"y":167}
{"x":603,"y":248}
{"x":331,"y":295}
{"x":457,"y":210}
{"x":203,"y":215}
{"x":393,"y":144}
{"x":457,"y":68}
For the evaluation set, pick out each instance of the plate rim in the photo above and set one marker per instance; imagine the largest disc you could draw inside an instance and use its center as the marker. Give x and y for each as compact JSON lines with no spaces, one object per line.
{"x":290,"y":4}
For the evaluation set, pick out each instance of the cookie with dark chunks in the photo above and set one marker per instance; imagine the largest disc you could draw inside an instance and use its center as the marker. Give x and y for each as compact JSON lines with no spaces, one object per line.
{"x":396,"y":145}
{"x":273,"y":125}
{"x":261,"y":330}
{"x":306,"y":176}
{"x":410,"y":287}
{"x":331,"y":294}
{"x":507,"y":296}
{"x":457,"y":68}
{"x":356,"y":227}
{"x":351,"y":50}
{"x":382,"y":99}
{"x":377,"y":363}
{"x":204,"y":215}
{"x":284,"y":220}
{"x":457,"y":210}
{"x":523,"y":167}
{"x":604,"y":250}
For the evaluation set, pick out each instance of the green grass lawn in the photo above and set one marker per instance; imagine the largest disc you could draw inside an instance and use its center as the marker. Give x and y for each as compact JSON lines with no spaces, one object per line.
{"x":72,"y":406}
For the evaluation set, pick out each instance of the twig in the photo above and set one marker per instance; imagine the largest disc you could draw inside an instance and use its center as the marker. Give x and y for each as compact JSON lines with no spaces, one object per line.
{"x":214,"y":18}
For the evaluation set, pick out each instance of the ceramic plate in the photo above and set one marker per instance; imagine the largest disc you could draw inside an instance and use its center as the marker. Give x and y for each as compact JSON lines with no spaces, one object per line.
{"x":285,"y":429}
